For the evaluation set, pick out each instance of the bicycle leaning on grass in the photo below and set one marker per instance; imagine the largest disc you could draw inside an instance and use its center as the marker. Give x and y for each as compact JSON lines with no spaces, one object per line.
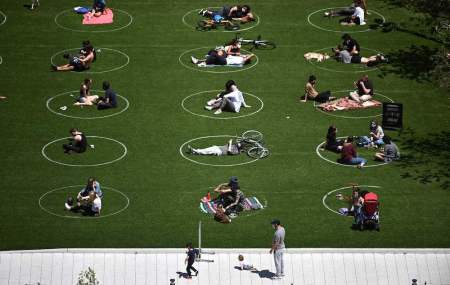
{"x":252,"y":143}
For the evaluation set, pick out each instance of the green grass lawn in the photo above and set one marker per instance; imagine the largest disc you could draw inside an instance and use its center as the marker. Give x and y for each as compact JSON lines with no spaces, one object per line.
{"x":143,"y":63}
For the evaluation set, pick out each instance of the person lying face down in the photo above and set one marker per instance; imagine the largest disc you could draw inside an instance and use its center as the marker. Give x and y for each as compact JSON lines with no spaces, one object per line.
{"x":231,"y":148}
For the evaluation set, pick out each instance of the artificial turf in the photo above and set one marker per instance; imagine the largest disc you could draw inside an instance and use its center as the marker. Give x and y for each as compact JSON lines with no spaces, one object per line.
{"x":163,"y":188}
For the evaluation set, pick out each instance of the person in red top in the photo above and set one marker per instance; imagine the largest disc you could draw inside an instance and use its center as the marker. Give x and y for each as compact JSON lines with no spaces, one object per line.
{"x":349,"y":154}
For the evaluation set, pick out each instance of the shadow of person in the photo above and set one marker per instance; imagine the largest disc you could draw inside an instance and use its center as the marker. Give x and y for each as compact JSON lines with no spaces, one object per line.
{"x":265,"y":273}
{"x":182,"y":274}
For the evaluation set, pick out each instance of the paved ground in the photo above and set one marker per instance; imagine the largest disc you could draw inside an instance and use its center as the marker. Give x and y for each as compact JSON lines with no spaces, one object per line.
{"x":158,"y":266}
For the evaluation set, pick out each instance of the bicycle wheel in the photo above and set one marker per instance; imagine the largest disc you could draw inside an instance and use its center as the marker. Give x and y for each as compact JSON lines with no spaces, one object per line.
{"x":266,"y":45}
{"x":232,"y":27}
{"x":258,"y":152}
{"x":252,"y":135}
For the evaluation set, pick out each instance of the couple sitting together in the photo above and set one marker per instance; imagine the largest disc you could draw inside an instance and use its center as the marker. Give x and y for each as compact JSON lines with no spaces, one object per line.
{"x":349,"y":52}
{"x":228,"y":55}
{"x":364,"y":91}
{"x":229,"y":100}
{"x":230,"y":200}
{"x":79,"y":62}
{"x":89,"y":199}
{"x":104,"y":102}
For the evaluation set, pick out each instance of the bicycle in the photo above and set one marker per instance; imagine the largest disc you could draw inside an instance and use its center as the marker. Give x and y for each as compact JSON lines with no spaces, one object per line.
{"x":210,"y":24}
{"x":258,"y":43}
{"x":252,"y":143}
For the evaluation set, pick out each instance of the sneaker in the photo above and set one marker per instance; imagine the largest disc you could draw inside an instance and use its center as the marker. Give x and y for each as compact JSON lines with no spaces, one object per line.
{"x":67,"y":206}
{"x":190,"y":149}
{"x":209,"y":108}
{"x":194,"y":60}
{"x":219,"y":111}
{"x":327,"y":14}
{"x":202,"y":64}
{"x":196,"y":273}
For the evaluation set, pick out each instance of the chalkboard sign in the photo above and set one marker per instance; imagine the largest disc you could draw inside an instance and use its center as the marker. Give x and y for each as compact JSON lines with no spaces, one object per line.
{"x":392,"y":116}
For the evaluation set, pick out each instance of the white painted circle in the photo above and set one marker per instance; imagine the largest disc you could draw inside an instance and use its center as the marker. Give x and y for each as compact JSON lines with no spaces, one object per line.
{"x":84,"y":31}
{"x":202,"y":69}
{"x":127,"y":104}
{"x":95,"y":72}
{"x":221,"y":118}
{"x":210,"y":164}
{"x":125,"y":151}
{"x":316,"y":64}
{"x":341,"y":31}
{"x":340,"y":164}
{"x":339,"y":189}
{"x":4,"y":18}
{"x":183,"y":19}
{"x":1,"y":59}
{"x":349,"y":117}
{"x":79,"y":217}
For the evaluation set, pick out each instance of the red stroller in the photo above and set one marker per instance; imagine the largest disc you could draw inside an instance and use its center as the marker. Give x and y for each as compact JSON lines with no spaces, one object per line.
{"x":369,"y":215}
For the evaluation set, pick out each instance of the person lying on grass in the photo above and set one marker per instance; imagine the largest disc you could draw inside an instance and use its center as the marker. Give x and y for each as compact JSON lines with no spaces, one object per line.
{"x":86,"y":99}
{"x":349,"y":155}
{"x":344,"y":56}
{"x":390,"y":152}
{"x":230,"y":100}
{"x":345,"y":11}
{"x":218,"y":56}
{"x":237,"y":13}
{"x":77,"y":143}
{"x":312,"y":94}
{"x":79,"y":62}
{"x":98,"y":8}
{"x":364,"y":90}
{"x":231,"y":148}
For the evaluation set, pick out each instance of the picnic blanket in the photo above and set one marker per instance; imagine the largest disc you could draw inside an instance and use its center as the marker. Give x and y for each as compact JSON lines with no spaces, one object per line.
{"x":251,"y":203}
{"x":106,"y":18}
{"x":347,"y":104}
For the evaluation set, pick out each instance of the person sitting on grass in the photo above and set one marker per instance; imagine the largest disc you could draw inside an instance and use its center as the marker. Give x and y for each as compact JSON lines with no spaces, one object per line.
{"x":224,"y":191}
{"x":349,"y":155}
{"x":86,"y":99}
{"x":375,"y":137}
{"x":88,"y":199}
{"x":332,"y":143}
{"x":237,"y":199}
{"x":231,"y":148}
{"x":349,"y":44}
{"x":238,"y":13}
{"x":109,"y":100}
{"x":357,"y":18}
{"x":231,"y":100}
{"x":77,"y":143}
{"x":219,"y":57}
{"x":390,"y":152}
{"x":98,"y":8}
{"x":312,"y":94}
{"x":364,"y":90}
{"x":78,"y":62}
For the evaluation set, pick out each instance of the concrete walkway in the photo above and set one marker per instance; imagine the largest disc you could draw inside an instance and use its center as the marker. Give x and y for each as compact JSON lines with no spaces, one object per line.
{"x":157,"y":266}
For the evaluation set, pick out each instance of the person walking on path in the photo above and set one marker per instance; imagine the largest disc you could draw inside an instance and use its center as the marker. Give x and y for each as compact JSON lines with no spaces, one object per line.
{"x":190,"y":259}
{"x":278,"y":248}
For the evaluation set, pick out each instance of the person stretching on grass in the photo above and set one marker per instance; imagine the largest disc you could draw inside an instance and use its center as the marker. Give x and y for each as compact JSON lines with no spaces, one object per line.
{"x":192,"y":254}
{"x":349,"y":154}
{"x":312,"y":94}
{"x":86,"y":99}
{"x":231,"y":148}
{"x":231,"y":100}
{"x":77,"y":143}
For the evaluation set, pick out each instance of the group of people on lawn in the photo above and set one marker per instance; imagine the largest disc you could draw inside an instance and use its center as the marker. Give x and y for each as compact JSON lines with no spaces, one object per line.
{"x":88,"y":200}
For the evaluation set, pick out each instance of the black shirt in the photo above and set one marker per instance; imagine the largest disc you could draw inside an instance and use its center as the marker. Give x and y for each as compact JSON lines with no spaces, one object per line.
{"x":368,"y":84}
{"x":192,"y":253}
{"x":111,"y":95}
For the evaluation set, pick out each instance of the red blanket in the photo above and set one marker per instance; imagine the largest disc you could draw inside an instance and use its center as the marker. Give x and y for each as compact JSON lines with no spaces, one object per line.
{"x":347,"y":104}
{"x":106,"y":18}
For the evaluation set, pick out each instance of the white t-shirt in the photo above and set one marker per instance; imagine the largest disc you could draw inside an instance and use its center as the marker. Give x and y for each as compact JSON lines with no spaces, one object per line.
{"x":237,"y":99}
{"x":359,"y":12}
{"x":96,"y":205}
{"x":235,"y":60}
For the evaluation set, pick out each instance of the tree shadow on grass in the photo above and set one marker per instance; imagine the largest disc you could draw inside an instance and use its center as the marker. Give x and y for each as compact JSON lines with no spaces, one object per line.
{"x":414,"y":63}
{"x":426,"y":159}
